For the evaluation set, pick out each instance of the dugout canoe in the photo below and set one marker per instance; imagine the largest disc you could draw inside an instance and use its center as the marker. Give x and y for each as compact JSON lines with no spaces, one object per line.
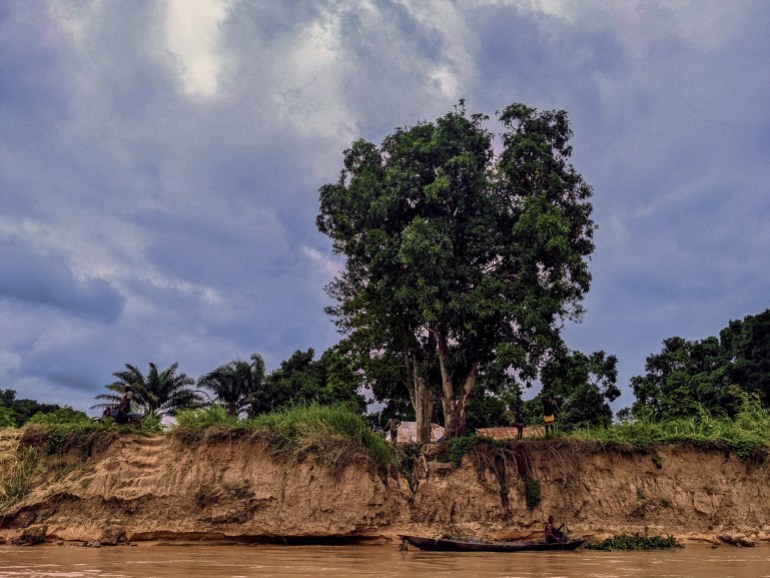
{"x":451,"y":545}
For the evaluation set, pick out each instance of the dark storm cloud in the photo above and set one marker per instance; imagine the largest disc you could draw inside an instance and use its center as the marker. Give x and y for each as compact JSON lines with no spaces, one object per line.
{"x":31,"y":279}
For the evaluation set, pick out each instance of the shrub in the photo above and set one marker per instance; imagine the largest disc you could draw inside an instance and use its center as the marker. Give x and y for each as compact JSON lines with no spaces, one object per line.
{"x":532,"y":492}
{"x":61,"y":416}
{"x":637,"y":542}
{"x":197,"y":418}
{"x":152,"y":425}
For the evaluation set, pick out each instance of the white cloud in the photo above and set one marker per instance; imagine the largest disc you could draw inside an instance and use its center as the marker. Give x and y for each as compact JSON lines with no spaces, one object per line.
{"x":193,"y":35}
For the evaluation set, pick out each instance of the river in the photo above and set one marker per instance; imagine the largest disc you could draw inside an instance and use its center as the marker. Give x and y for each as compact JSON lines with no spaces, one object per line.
{"x":240,"y":561}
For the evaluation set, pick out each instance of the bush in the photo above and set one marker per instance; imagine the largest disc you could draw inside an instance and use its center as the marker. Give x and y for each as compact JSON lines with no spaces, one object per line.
{"x":64,"y":415}
{"x":198,"y":418}
{"x":532,"y":492}
{"x":637,"y":542}
{"x":152,"y":425}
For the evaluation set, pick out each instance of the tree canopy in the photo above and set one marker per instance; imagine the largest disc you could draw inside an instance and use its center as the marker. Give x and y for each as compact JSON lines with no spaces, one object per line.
{"x":458,"y":256}
{"x":236,"y":385}
{"x":17,"y":412}
{"x":710,"y":372}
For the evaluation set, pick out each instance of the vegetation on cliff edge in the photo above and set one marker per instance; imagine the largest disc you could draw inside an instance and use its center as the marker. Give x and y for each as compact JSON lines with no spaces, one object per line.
{"x":331,"y":434}
{"x":748,"y":433}
{"x":636,"y":542}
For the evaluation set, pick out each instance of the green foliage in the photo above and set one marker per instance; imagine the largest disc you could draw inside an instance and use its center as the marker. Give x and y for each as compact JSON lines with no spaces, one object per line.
{"x":204,"y":417}
{"x":686,"y":375}
{"x":237,"y":384}
{"x":486,"y":410}
{"x":748,"y":433}
{"x":21,"y":409}
{"x":152,"y":425}
{"x":636,"y":542}
{"x":584,"y":386}
{"x":331,"y":434}
{"x":238,"y":491}
{"x":159,"y":392}
{"x":458,"y":257}
{"x":409,"y":462}
{"x":61,"y":416}
{"x":301,"y":380}
{"x":532,"y":492}
{"x":6,"y":417}
{"x":14,"y":477}
{"x":454,"y":449}
{"x":63,"y":437}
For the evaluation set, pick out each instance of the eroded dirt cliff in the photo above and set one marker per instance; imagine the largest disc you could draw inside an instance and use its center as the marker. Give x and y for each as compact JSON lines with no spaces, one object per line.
{"x":225,"y":487}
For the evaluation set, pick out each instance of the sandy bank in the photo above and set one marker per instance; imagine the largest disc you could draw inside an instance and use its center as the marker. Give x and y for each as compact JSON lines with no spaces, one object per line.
{"x":226,"y":487}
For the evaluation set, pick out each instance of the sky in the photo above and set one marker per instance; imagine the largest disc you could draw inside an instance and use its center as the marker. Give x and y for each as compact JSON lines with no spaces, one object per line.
{"x":160,"y":164}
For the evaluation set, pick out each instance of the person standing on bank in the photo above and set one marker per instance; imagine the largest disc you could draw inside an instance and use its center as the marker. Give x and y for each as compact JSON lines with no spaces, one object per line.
{"x":392,"y":427}
{"x":549,"y":413}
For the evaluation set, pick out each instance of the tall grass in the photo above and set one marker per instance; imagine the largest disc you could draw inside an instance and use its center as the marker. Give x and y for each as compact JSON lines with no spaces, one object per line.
{"x":13,"y":483}
{"x":748,"y":433}
{"x":331,"y":434}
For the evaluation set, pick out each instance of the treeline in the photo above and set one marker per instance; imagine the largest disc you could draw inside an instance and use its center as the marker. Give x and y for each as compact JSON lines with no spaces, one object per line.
{"x":712,"y":373}
{"x":242,"y":388}
{"x":15,"y":412}
{"x":686,"y":377}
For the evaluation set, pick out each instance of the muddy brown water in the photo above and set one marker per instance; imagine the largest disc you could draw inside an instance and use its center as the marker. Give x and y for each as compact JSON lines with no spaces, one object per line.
{"x":162,"y":560}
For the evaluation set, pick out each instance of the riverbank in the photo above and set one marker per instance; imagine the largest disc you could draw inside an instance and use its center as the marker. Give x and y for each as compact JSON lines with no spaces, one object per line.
{"x":226,"y":485}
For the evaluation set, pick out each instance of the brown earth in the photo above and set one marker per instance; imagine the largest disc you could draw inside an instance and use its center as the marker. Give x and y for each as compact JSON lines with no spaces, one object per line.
{"x":133,"y":488}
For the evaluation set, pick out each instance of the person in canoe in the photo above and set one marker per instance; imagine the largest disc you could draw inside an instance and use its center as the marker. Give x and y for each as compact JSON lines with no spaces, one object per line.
{"x":554,"y":535}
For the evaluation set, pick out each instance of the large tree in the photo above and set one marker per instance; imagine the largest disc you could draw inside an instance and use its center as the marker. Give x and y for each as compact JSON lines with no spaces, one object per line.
{"x":457,"y":256}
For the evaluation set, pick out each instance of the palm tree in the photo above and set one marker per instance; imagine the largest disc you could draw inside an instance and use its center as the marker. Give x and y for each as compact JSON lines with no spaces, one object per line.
{"x":159,"y":393}
{"x":235,"y":384}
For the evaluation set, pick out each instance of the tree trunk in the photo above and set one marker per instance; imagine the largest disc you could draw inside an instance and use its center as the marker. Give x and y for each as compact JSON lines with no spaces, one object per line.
{"x":455,"y":405}
{"x":421,"y":397}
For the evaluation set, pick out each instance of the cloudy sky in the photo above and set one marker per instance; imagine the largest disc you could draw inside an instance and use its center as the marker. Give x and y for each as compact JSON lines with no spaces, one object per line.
{"x":160,"y":164}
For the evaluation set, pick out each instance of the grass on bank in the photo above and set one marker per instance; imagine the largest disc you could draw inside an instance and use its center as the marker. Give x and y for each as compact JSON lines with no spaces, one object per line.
{"x":15,"y":475}
{"x":332,"y":434}
{"x":748,"y":433}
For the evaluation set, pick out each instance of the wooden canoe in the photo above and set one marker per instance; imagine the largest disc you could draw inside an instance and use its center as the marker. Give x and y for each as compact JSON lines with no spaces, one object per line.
{"x":450,"y":545}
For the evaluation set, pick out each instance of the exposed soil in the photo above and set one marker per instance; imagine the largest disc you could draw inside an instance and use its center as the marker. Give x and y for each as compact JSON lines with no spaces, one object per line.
{"x":133,"y":488}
